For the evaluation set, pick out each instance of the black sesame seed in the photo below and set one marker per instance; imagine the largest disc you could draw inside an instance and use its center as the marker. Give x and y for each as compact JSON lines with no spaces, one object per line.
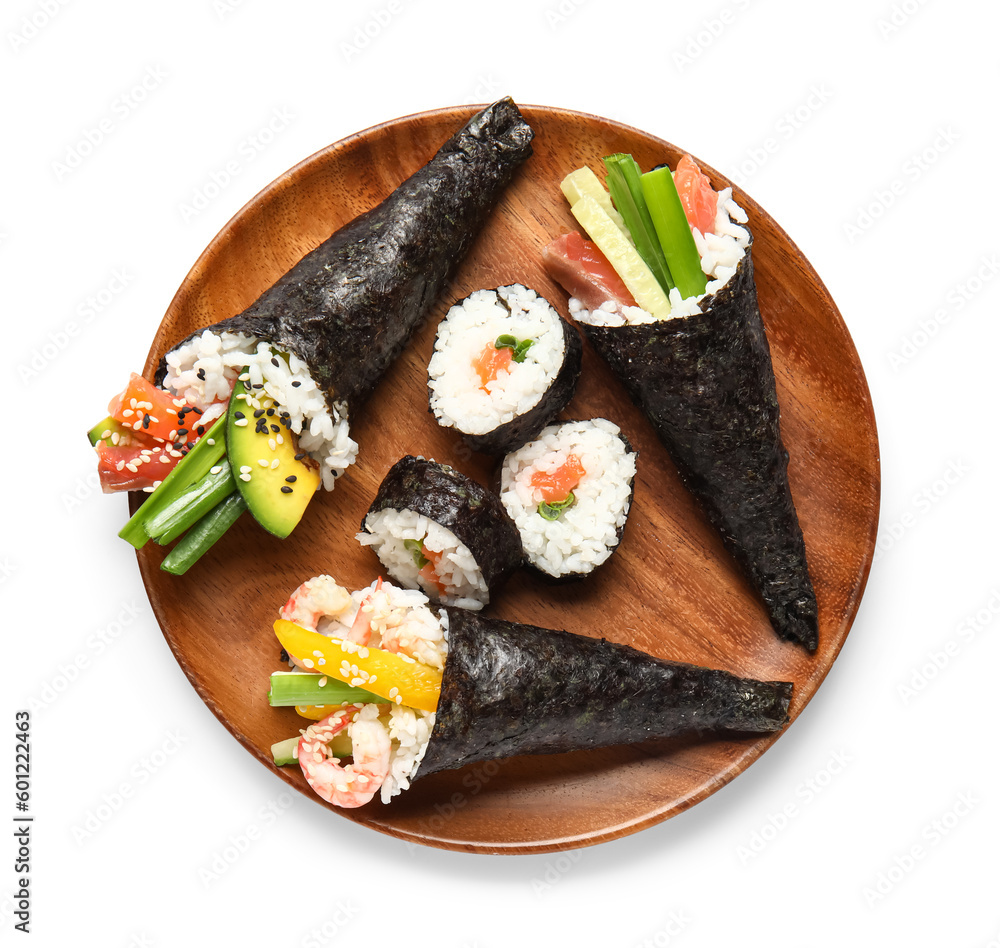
{"x":239,"y":414}
{"x":299,"y":457}
{"x":200,"y":429}
{"x":275,"y":362}
{"x":285,"y":489}
{"x":270,"y":413}
{"x":258,"y":385}
{"x":201,"y":374}
{"x":258,"y":413}
{"x":275,"y":429}
{"x":197,"y":411}
{"x":181,"y":432}
{"x":291,"y":478}
{"x":296,"y":383}
{"x":145,"y":421}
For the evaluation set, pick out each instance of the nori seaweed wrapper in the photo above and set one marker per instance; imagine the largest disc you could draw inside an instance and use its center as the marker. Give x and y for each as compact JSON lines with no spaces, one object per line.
{"x":522,"y":428}
{"x":348,"y":307}
{"x":512,"y":689}
{"x":461,"y":505}
{"x":707,"y":384}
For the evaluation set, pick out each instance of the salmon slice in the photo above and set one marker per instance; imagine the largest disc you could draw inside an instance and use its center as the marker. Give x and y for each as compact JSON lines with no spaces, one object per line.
{"x":696,"y":194}
{"x":584,"y":272}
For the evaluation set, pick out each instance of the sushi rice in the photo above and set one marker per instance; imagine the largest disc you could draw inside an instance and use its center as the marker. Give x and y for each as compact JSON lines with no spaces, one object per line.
{"x":720,"y":254}
{"x":588,"y":532}
{"x":387,"y":531}
{"x":203,"y":370}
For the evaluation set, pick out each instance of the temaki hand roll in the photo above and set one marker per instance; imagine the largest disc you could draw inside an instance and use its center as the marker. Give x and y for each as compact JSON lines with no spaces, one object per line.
{"x":700,"y":368}
{"x":308,"y":352}
{"x":505,"y":363}
{"x":437,"y":530}
{"x":440,"y":693}
{"x":323,"y":335}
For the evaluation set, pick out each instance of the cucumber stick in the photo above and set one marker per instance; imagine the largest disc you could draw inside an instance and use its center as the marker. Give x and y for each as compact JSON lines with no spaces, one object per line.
{"x":615,"y":245}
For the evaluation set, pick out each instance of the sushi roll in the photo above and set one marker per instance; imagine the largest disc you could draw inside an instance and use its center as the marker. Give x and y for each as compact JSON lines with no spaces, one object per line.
{"x":430,"y":690}
{"x":696,"y":360}
{"x":505,"y":363}
{"x":569,"y":492}
{"x":437,"y":530}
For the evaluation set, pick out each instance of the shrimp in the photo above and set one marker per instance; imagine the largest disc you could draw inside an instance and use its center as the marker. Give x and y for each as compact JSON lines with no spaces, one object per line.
{"x":317,"y":599}
{"x":356,"y":783}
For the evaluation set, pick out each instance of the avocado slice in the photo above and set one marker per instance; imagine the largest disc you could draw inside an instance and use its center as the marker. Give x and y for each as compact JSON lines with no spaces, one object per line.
{"x":104,"y":430}
{"x":275,"y":479}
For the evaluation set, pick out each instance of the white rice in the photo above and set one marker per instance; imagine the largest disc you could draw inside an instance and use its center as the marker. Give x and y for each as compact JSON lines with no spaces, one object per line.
{"x":203,"y":372}
{"x":720,"y":254}
{"x":457,"y":396}
{"x":586,"y":533}
{"x":387,"y":531}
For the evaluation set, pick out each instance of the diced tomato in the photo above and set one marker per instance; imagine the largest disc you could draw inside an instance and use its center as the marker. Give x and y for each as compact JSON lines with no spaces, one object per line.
{"x":584,"y":272}
{"x":154,"y":412}
{"x":133,"y":466}
{"x":696,"y":194}
{"x":557,"y":485}
{"x":491,"y":362}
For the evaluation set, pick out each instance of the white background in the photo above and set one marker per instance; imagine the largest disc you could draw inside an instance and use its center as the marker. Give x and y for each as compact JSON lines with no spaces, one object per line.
{"x":881,"y":118}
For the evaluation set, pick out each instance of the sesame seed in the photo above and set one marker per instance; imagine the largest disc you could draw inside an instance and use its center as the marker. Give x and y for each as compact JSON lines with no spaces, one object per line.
{"x":296,"y":383}
{"x":322,"y":681}
{"x":271,"y":444}
{"x":262,"y":462}
{"x":285,"y":489}
{"x":279,"y":439}
{"x":258,"y":413}
{"x":211,"y":441}
{"x":119,"y":465}
{"x":238,"y":414}
{"x":127,"y":413}
{"x":308,"y":662}
{"x":290,"y":479}
{"x":275,"y":362}
{"x":275,"y":429}
{"x":115,"y":437}
{"x":393,"y":692}
{"x":245,"y":469}
{"x":215,"y":470}
{"x":201,"y":374}
{"x":132,"y":403}
{"x":241,"y":422}
{"x":105,"y":434}
{"x":244,"y":477}
{"x":275,"y":463}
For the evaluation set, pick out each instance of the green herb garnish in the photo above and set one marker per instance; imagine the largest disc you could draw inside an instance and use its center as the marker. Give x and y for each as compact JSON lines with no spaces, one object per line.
{"x":416,"y":547}
{"x":519,"y":348}
{"x":554,"y":511}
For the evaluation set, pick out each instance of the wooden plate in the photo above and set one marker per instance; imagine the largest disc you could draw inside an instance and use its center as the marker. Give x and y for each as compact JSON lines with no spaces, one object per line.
{"x":671,"y":589}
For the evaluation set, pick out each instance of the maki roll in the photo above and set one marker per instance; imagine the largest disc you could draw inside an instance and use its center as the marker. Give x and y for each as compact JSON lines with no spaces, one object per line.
{"x":487,"y":689}
{"x":569,"y":492}
{"x":505,"y":363}
{"x":693,"y":354}
{"x":437,"y":530}
{"x":307,"y":354}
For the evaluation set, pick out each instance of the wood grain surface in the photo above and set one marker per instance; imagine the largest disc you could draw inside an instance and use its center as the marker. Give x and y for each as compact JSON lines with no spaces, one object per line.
{"x":670,"y":590}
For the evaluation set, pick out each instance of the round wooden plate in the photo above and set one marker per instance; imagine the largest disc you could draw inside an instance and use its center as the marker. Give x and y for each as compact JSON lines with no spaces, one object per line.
{"x":671,"y":589}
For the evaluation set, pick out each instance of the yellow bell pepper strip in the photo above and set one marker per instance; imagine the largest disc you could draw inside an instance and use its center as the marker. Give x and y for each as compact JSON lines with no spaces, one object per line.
{"x":396,"y":678}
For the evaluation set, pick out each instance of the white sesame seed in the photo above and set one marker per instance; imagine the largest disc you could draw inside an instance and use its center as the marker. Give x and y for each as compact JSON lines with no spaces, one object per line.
{"x":322,"y":681}
{"x":308,"y":662}
{"x":240,"y":422}
{"x":244,"y":477}
{"x":128,"y":413}
{"x":262,"y":462}
{"x":271,"y":444}
{"x":275,"y":463}
{"x":215,"y":470}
